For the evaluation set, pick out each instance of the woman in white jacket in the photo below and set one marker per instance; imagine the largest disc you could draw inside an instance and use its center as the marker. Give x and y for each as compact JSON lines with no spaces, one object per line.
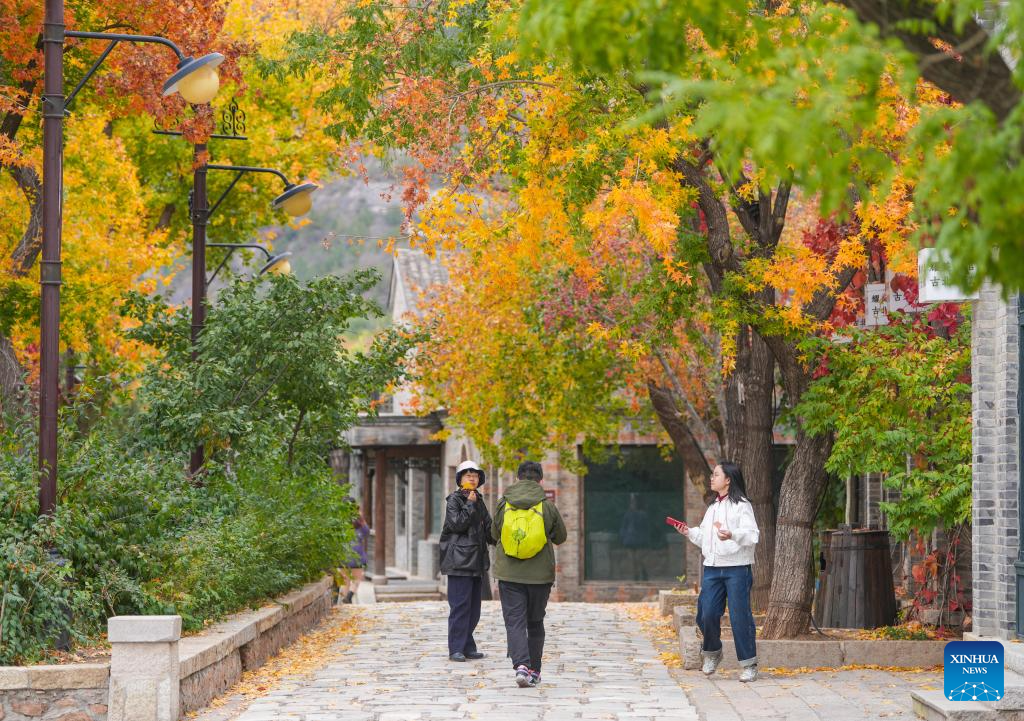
{"x":727,"y":537}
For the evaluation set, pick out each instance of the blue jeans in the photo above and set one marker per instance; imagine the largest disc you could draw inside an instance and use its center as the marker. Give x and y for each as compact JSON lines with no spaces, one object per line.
{"x":732,"y":583}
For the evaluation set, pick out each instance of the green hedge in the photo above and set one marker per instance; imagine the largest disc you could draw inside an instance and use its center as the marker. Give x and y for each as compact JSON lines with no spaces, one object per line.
{"x":139,"y":538}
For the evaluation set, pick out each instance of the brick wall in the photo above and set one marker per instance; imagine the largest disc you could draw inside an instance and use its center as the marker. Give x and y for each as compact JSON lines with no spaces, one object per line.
{"x":996,"y":476}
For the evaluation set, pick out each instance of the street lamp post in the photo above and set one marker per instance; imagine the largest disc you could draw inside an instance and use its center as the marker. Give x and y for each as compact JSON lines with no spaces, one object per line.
{"x":296,"y":199}
{"x":200,"y":215}
{"x":197,"y":82}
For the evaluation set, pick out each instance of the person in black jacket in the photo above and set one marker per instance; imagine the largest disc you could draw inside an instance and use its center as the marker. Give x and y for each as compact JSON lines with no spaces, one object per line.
{"x":464,"y":559}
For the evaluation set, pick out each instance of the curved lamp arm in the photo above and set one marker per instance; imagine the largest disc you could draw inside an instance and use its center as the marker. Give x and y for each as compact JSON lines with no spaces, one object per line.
{"x":234,"y":247}
{"x":114,"y":39}
{"x":239,"y":171}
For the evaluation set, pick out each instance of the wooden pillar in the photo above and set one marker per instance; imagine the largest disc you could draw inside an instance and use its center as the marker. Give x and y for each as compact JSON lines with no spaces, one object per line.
{"x":366,"y":491}
{"x":380,"y":521}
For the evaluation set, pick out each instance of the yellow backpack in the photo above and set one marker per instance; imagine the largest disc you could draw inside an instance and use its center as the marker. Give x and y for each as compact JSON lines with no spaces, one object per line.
{"x":522,"y":531}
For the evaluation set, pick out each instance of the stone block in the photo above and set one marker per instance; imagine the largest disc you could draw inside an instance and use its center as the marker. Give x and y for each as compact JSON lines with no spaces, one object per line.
{"x":13,"y":677}
{"x":198,"y":652}
{"x":799,"y":654}
{"x":667,"y":600}
{"x":683,"y":616}
{"x":268,"y":617}
{"x":689,"y":648}
{"x":72,"y":676}
{"x":770,"y":654}
{"x":142,"y":699}
{"x":31,"y":708}
{"x":198,"y":689}
{"x":893,"y":653}
{"x":297,"y":600}
{"x":428,"y":557}
{"x":933,"y":706}
{"x":144,"y":674}
{"x":366,"y":595}
{"x":143,"y":629}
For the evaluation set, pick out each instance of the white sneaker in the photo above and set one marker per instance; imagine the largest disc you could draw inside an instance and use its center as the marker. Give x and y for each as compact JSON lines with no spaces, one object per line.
{"x":711,"y":661}
{"x":749,"y":673}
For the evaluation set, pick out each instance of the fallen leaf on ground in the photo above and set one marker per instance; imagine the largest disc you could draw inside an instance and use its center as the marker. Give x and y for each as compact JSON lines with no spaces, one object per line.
{"x":305,"y":656}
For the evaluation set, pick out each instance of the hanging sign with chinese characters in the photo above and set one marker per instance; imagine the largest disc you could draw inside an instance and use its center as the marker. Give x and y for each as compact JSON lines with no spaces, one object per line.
{"x":932,"y":286}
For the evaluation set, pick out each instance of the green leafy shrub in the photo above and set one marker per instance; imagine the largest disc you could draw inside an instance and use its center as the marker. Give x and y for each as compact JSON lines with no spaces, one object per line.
{"x":133,"y":534}
{"x":137,"y":537}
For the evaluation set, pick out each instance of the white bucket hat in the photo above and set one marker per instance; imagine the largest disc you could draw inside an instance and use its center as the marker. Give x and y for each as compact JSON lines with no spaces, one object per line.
{"x":469,"y":466}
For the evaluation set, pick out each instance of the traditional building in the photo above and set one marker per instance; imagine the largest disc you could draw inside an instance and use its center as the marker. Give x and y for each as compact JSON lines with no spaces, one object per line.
{"x":619,"y":546}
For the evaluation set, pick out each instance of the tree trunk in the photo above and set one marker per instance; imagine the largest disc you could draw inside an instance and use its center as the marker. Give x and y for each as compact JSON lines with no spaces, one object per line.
{"x":789,"y":608}
{"x":23,"y":257}
{"x":672,"y":420}
{"x":757,"y":462}
{"x":12,"y":378}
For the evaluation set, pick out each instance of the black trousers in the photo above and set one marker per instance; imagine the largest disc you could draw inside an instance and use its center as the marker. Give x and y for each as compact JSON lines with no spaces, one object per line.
{"x":464,"y":602}
{"x":523,"y":605}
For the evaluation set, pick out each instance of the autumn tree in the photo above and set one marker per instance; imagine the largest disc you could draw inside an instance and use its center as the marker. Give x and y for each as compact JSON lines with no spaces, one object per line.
{"x":964,"y":156}
{"x":126,"y":212}
{"x":552,"y":184}
{"x":799,"y":65}
{"x":99,"y":263}
{"x":463,"y":106}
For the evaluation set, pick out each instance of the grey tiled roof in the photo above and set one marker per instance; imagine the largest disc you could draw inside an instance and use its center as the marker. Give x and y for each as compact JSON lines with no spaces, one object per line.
{"x":418,"y":273}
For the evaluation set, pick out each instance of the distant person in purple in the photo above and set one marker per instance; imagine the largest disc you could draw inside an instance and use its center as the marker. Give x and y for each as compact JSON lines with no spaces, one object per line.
{"x":356,"y":565}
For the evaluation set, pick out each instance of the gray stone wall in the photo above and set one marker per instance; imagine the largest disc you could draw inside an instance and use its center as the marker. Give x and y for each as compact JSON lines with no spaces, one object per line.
{"x":75,"y":692}
{"x":87,"y":704}
{"x":996,"y":475}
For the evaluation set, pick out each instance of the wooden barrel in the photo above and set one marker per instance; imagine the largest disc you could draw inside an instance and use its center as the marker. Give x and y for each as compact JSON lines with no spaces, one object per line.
{"x":856,"y":588}
{"x":822,"y":563}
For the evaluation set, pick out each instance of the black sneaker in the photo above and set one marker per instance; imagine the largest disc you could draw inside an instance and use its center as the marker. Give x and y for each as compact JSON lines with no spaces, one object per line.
{"x":534,"y":678}
{"x":474,"y":655}
{"x":457,"y":656}
{"x":522,"y":676}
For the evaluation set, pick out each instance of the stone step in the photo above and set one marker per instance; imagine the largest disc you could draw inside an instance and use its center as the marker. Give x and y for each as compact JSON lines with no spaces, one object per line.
{"x":408,"y":597}
{"x":407,"y":587}
{"x":934,"y":706}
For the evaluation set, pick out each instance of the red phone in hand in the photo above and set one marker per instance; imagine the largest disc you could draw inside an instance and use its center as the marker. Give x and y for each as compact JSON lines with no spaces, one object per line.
{"x":675,"y":523}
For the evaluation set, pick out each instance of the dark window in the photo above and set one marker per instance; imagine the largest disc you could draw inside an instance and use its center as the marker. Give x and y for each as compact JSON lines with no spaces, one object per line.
{"x":625,"y":501}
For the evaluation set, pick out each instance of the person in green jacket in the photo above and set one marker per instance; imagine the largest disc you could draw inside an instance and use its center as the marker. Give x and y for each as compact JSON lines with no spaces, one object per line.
{"x":525,"y":576}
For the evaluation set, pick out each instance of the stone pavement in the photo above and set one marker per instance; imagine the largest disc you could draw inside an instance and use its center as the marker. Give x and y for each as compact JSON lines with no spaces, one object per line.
{"x":599,"y":664}
{"x":821,"y":696}
{"x":787,"y":695}
{"x":596,"y":666}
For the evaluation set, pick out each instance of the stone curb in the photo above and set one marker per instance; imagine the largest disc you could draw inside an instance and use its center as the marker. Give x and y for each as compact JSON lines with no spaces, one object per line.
{"x":668,"y":600}
{"x":206,"y":649}
{"x":47,"y":678}
{"x":205,"y":664}
{"x":821,"y":654}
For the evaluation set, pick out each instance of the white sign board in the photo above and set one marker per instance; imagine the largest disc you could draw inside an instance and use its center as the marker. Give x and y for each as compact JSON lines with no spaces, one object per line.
{"x":931,"y":285}
{"x":897,"y":300}
{"x":876,"y":308}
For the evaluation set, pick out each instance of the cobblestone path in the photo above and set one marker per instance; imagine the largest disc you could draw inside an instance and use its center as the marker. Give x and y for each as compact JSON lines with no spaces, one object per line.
{"x":598,"y":664}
